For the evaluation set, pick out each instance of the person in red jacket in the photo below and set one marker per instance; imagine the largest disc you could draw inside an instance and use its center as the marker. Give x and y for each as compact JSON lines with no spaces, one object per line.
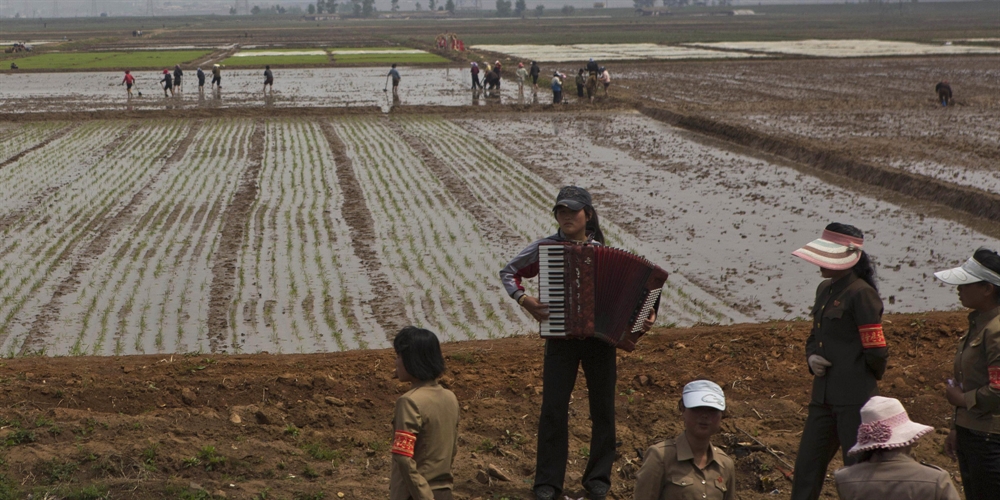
{"x":128,"y":81}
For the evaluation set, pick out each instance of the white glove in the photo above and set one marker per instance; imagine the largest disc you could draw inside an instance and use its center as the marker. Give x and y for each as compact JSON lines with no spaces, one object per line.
{"x":818,"y":364}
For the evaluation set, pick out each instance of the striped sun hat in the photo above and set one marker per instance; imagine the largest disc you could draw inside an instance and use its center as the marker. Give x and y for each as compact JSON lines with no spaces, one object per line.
{"x":833,"y":250}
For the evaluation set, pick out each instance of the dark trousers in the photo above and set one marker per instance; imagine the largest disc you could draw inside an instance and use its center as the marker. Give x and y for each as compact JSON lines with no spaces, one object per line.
{"x":579,"y":90}
{"x":979,"y":462}
{"x":556,"y":96}
{"x":475,"y":82}
{"x":828,"y":427}
{"x":562,"y":360}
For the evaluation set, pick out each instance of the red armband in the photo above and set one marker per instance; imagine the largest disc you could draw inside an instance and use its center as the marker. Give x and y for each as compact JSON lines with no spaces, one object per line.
{"x":871,"y":336}
{"x":995,"y":378}
{"x":403,"y":443}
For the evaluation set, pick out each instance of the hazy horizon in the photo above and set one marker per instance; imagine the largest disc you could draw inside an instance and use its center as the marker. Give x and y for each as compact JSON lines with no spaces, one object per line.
{"x":129,"y":8}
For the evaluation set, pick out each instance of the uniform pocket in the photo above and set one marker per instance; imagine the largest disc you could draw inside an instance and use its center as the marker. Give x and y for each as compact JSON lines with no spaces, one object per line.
{"x":720,"y":483}
{"x":833,"y":313}
{"x":681,"y":480}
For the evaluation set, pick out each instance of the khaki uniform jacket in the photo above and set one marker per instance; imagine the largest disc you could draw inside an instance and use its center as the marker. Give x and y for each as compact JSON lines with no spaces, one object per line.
{"x":424,"y":443}
{"x":847,"y":331}
{"x":977,"y":368}
{"x":668,"y":473}
{"x":892,"y":475}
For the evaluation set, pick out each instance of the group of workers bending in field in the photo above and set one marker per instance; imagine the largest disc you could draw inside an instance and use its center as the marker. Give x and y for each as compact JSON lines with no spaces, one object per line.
{"x":587,"y":79}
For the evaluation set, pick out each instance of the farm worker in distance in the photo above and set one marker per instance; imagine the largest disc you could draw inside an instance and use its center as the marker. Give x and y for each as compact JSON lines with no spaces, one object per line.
{"x":425,"y":422}
{"x":885,"y":468}
{"x":395,"y":80}
{"x":975,"y":392}
{"x":177,"y":77}
{"x":943,"y":90}
{"x":688,"y":466}
{"x":201,"y":80}
{"x":578,"y":223}
{"x":168,"y":83}
{"x":581,"y":81}
{"x":496,"y":68}
{"x":605,"y":78}
{"x":534,"y":72}
{"x":592,"y":67}
{"x":846,"y":353}
{"x":475,"y":76}
{"x":556,"y":88}
{"x":216,"y":76}
{"x":128,"y":81}
{"x":491,"y":80}
{"x":268,"y":78}
{"x":521,"y":74}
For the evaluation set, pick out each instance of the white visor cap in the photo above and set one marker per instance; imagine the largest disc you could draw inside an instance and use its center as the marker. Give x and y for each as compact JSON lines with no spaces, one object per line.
{"x":970,"y":272}
{"x":704,"y":393}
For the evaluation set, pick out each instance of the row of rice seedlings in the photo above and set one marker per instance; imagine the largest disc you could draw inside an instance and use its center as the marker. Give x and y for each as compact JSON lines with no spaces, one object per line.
{"x":289,"y":246}
{"x":522,"y":200}
{"x":89,"y":314}
{"x":429,"y":241}
{"x":23,"y":136}
{"x":199,"y":188}
{"x":48,"y":168}
{"x":32,"y":259}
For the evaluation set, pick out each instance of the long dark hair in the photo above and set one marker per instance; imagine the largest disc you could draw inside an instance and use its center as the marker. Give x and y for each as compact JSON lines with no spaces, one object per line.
{"x":865,"y":268}
{"x":990,"y":260}
{"x":593,"y":224}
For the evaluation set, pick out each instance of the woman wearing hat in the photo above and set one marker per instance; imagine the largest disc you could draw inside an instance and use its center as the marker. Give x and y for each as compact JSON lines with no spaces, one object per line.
{"x":846,"y":353}
{"x":688,"y":466}
{"x":578,"y":225}
{"x":884,"y":468}
{"x":975,"y":391}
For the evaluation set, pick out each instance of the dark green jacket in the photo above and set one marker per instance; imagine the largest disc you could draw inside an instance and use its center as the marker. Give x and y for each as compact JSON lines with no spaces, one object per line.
{"x":847,"y":331}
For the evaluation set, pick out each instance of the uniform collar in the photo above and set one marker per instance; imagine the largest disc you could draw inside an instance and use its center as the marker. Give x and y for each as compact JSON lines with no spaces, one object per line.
{"x":424,"y":383}
{"x":684,"y":449}
{"x":983,"y":318}
{"x":891,"y":456}
{"x":842,"y":283}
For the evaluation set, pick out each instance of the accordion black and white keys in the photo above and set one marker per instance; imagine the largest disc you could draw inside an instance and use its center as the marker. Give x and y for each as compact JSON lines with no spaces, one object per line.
{"x":596,"y":291}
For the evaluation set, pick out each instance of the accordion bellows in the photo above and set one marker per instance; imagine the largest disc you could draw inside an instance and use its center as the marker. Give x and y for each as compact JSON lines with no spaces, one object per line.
{"x":597,"y":291}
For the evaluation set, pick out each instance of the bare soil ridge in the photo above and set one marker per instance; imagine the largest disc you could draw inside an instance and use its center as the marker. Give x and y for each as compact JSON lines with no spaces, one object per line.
{"x":230,"y":240}
{"x":975,"y":202}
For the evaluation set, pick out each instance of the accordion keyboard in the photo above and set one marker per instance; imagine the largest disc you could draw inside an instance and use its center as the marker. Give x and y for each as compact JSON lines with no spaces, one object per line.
{"x":552,"y":289}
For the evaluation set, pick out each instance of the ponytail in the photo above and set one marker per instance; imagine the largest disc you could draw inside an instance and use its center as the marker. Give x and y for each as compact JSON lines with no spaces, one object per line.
{"x":594,"y":225}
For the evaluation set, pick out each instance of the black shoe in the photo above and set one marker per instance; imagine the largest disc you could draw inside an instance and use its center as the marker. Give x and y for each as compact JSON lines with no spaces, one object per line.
{"x":599,"y":492}
{"x":545,"y":492}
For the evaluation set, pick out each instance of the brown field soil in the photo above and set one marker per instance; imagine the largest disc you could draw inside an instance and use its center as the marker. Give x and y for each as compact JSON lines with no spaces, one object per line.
{"x":295,"y":426}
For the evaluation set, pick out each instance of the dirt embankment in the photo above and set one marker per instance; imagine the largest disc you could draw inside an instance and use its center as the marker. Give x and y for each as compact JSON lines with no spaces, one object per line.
{"x":289,"y":426}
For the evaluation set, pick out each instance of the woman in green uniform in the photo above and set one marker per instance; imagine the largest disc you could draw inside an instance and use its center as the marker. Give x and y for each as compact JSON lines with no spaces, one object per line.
{"x":975,"y":391}
{"x":688,"y":467}
{"x":846,"y":353}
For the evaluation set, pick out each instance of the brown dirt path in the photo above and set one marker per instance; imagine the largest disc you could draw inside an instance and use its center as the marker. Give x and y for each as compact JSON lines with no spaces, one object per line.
{"x":292,"y":425}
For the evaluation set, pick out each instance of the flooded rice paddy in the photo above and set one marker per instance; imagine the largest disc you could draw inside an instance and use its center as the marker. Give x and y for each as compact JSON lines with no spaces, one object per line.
{"x":311,"y":235}
{"x":321,"y":87}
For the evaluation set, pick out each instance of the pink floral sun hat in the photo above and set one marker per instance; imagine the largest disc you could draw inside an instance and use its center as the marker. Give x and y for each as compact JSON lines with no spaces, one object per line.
{"x":885,"y":425}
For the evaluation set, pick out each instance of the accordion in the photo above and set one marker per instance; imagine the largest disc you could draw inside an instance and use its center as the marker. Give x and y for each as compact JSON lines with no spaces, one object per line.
{"x":596,"y":291}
